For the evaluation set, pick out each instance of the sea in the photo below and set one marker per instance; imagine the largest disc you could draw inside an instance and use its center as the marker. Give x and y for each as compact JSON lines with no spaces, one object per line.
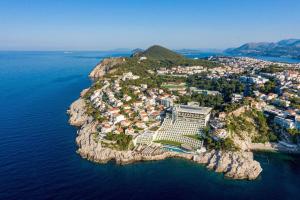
{"x":38,"y":158}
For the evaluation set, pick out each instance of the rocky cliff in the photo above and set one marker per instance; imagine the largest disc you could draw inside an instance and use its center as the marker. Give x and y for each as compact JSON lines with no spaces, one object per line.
{"x":105,"y":66}
{"x":237,"y":165}
{"x":77,"y":113}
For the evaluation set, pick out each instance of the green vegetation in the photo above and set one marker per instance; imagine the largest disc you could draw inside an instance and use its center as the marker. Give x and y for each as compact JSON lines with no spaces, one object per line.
{"x":214,"y":101}
{"x":295,"y":102}
{"x":196,"y":137}
{"x":251,"y":122}
{"x":122,"y":140}
{"x":222,"y":144}
{"x":273,"y":69}
{"x":95,"y":113}
{"x":160,"y":53}
{"x":294,"y":134}
{"x":164,"y":57}
{"x":269,"y":87}
{"x":155,"y":128}
{"x":169,"y":142}
{"x":173,"y":85}
{"x":230,"y":107}
{"x":223,"y":85}
{"x":157,"y":57}
{"x":240,"y":124}
{"x":95,"y":135}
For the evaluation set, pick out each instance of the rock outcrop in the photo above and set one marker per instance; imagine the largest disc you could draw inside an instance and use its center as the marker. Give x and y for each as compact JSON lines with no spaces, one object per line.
{"x":105,"y":66}
{"x":236,"y":165}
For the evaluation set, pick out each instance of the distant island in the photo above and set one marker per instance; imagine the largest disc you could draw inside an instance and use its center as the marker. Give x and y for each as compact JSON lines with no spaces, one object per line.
{"x":159,"y":104}
{"x":284,"y":48}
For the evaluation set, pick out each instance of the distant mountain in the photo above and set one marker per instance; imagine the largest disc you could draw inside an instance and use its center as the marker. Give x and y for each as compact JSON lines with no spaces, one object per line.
{"x":283,"y":48}
{"x":195,"y":51}
{"x":160,"y":53}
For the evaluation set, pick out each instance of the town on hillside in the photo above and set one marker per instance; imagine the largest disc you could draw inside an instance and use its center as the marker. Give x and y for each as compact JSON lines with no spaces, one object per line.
{"x":151,"y":104}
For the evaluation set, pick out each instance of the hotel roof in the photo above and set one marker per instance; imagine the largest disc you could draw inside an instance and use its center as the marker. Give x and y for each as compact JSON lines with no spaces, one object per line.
{"x":193,"y":109}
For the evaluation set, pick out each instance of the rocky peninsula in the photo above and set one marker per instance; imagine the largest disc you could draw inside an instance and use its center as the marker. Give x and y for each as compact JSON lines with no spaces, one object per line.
{"x":237,"y":165}
{"x":234,"y":164}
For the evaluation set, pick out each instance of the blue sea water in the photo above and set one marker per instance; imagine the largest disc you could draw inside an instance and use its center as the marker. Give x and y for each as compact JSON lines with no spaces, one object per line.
{"x":38,"y":157}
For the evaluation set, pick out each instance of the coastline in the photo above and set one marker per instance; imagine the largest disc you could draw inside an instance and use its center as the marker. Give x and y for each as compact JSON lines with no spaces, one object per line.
{"x":236,"y":165}
{"x":233,"y":164}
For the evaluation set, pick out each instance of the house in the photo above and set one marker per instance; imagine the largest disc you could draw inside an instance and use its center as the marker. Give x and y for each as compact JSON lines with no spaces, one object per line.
{"x":143,"y":116}
{"x":125,"y":123}
{"x":129,"y":76}
{"x":259,"y":105}
{"x":118,"y":118}
{"x":127,"y":98}
{"x":138,"y":104}
{"x":126,"y":107}
{"x":143,"y":58}
{"x":140,"y":125}
{"x":129,"y":131}
{"x":113,"y":111}
{"x":220,"y":134}
{"x":119,"y":131}
{"x":272,"y":96}
{"x":236,"y":97}
{"x":106,"y":127}
{"x":144,"y":87}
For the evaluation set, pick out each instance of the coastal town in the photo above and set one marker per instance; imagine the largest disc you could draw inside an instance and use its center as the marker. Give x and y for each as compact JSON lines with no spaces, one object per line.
{"x":226,"y":104}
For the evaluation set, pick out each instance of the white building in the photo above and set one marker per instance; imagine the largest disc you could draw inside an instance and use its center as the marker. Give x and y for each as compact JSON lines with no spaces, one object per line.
{"x":236,"y":97}
{"x":118,"y":118}
{"x":186,"y":120}
{"x":188,"y":113}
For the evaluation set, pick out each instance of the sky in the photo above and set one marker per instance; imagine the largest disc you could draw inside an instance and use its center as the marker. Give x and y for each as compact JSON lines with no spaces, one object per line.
{"x":113,"y":24}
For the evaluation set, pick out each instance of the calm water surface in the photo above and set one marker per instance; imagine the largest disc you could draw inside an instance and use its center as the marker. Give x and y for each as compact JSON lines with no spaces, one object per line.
{"x":37,"y":146}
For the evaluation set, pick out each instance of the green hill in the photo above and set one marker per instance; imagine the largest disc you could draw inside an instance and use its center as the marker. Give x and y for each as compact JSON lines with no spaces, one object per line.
{"x":160,"y":53}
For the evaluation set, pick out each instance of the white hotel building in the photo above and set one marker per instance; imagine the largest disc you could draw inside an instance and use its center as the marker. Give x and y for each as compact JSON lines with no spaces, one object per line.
{"x":185,"y":120}
{"x":191,"y":114}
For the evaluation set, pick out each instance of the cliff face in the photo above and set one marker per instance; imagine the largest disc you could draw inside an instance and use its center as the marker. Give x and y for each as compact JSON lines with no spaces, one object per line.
{"x":77,"y":113}
{"x":105,"y":66}
{"x":237,"y":165}
{"x":247,"y":126}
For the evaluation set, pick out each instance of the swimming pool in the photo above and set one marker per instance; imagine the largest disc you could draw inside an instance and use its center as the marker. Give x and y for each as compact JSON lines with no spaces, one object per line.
{"x":175,"y":149}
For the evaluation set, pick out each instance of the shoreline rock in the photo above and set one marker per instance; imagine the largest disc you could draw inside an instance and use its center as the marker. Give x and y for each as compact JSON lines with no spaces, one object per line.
{"x":236,"y":165}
